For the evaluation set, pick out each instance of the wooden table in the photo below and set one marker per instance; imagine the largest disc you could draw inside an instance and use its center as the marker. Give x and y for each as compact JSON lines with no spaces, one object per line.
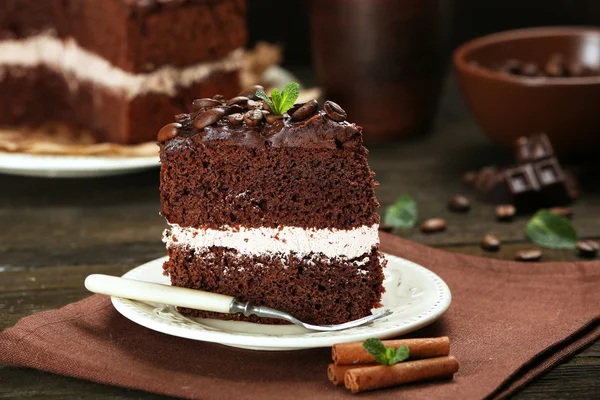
{"x":53,"y":233}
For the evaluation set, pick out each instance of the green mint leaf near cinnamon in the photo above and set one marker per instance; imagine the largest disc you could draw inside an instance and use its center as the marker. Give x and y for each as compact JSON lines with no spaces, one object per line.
{"x":385,"y":355}
{"x":280,"y":102}
{"x":550,"y":230}
{"x":402,"y":214}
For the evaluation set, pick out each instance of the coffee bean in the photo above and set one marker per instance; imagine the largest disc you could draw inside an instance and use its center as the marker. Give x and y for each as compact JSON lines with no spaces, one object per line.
{"x":386,"y":228}
{"x":459,"y":203}
{"x":587,"y":248}
{"x":334,"y":111}
{"x":505,"y":212}
{"x":469,"y":177}
{"x":219,"y":97}
{"x":250,"y":92}
{"x":511,"y":66}
{"x":490,"y":243}
{"x":528,"y":255}
{"x":272,"y":118}
{"x":564,"y":211}
{"x":239,"y":100}
{"x":576,"y":70}
{"x":234,"y":109}
{"x":254,"y":105}
{"x":433,"y":225}
{"x":253,"y":117}
{"x":265,"y":106}
{"x":530,"y":69}
{"x":205,"y":103}
{"x":168,"y":131}
{"x":555,"y":67}
{"x":236,"y":119}
{"x":308,"y":109}
{"x":208,"y":117}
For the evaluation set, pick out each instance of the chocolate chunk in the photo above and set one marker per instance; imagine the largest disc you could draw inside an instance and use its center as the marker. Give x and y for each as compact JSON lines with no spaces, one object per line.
{"x":308,"y":109}
{"x":250,"y":92}
{"x":205,"y":103}
{"x":168,"y":131}
{"x":433,"y":225}
{"x":253,"y":117}
{"x":554,"y":189}
{"x":490,"y":243}
{"x":524,"y":187}
{"x":208,"y":117}
{"x":505,"y":212}
{"x":334,"y":111}
{"x":469,"y":177}
{"x":236,"y":119}
{"x":533,"y":148}
{"x":239,"y":100}
{"x":459,"y":203}
{"x":587,"y":248}
{"x":386,"y":228}
{"x":562,"y":211}
{"x":528,"y":255}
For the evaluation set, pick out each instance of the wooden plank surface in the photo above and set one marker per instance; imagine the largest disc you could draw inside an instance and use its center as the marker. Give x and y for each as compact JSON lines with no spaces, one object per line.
{"x":53,"y":233}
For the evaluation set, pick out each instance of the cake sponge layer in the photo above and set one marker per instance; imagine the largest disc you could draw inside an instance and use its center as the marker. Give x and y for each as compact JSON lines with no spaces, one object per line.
{"x":314,"y":288}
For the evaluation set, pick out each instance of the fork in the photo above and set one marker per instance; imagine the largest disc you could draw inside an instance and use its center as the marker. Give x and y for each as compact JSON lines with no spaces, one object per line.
{"x":200,"y":300}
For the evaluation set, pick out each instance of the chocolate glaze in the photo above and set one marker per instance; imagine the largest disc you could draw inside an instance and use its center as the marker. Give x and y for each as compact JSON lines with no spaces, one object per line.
{"x":318,"y":131}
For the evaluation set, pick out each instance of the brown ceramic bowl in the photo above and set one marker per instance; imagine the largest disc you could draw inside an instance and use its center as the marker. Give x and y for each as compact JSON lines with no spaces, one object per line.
{"x":508,"y":106}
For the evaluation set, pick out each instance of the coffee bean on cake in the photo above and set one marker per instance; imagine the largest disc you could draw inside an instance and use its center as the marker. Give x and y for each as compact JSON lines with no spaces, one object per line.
{"x":433,"y":225}
{"x":219,"y":97}
{"x":459,"y":203}
{"x":254,"y":105}
{"x":205,"y":103}
{"x":208,"y":117}
{"x":253,"y":117}
{"x":168,"y":131}
{"x":308,"y":109}
{"x":272,"y":118}
{"x":239,"y":100}
{"x":334,"y":111}
{"x":236,"y":119}
{"x":250,"y":92}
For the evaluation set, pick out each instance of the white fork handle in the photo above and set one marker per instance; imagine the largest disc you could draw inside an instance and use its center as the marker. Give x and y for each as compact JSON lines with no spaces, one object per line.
{"x":156,"y":293}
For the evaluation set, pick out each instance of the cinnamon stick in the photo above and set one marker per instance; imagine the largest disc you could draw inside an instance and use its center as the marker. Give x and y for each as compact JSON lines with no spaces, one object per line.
{"x":354,"y":353}
{"x":382,"y":376}
{"x":336,"y":373}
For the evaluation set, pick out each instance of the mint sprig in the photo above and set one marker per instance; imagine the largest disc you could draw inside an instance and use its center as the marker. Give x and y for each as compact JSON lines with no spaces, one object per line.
{"x":402,"y":214}
{"x":280,"y":102}
{"x":550,"y":230}
{"x":385,"y":355}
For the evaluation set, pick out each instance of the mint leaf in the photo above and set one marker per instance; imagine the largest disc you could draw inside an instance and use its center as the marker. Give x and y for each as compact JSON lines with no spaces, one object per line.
{"x":400,"y":354}
{"x":276,"y":96}
{"x":263,"y":96}
{"x":550,"y":230}
{"x":376,"y":348}
{"x":402,"y":214}
{"x":290,"y":93}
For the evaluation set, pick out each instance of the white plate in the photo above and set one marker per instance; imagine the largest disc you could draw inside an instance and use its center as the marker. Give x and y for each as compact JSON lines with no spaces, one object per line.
{"x":63,"y":166}
{"x":416,"y":296}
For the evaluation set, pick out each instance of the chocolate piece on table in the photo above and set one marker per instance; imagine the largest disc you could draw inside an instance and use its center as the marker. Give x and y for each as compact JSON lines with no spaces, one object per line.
{"x":524,"y":186}
{"x":533,"y":148}
{"x":554,"y":190}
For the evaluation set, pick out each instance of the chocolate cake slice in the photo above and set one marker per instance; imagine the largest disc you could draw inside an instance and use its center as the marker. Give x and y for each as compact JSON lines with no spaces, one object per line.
{"x":119,"y":69}
{"x":276,"y":210}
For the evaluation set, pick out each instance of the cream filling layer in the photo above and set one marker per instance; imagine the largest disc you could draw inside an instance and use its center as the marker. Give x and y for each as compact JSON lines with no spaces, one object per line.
{"x":67,"y":57}
{"x":347,"y":243}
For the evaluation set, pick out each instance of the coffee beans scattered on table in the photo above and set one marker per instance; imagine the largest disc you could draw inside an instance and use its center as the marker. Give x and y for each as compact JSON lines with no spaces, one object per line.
{"x":505,"y":212}
{"x":433,"y":225}
{"x":587,"y":248}
{"x":529,"y":255}
{"x":459,"y":203}
{"x":490,"y":243}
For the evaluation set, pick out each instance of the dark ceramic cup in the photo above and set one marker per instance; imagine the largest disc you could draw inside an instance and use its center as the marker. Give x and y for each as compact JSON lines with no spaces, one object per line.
{"x":382,"y":60}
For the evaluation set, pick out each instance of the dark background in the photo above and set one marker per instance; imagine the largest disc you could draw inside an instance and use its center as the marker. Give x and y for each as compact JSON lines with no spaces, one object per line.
{"x":287,"y":22}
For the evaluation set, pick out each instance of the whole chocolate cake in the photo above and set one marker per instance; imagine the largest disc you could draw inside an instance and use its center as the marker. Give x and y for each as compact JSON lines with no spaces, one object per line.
{"x":274,"y":209}
{"x":117,"y":68}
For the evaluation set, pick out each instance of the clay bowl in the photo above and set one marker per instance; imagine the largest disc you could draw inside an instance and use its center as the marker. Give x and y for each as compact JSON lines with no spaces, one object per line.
{"x":508,"y":106}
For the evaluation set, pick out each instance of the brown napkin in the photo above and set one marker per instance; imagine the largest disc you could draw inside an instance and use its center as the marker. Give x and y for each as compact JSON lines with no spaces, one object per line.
{"x":508,"y":323}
